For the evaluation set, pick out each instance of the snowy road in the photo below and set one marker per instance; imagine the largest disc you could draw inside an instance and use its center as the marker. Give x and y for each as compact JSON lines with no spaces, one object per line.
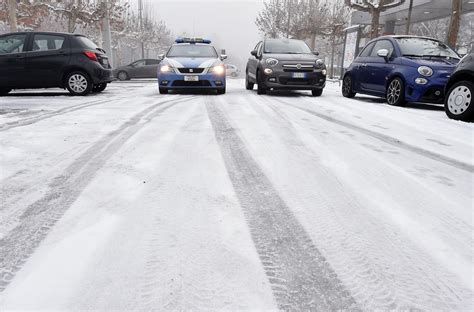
{"x":131,"y":200}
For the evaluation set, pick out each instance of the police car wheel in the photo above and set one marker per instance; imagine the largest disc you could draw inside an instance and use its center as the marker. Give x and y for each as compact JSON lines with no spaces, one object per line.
{"x":317,"y":92}
{"x":4,"y":91}
{"x":163,"y":91}
{"x":458,"y":102}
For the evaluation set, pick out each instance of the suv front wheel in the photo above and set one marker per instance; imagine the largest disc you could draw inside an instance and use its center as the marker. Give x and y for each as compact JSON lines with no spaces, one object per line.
{"x":78,"y":83}
{"x":261,"y":88}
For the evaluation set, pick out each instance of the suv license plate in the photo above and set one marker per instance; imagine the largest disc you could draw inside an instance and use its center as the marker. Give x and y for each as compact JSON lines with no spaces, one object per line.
{"x":191,"y":78}
{"x":299,"y":75}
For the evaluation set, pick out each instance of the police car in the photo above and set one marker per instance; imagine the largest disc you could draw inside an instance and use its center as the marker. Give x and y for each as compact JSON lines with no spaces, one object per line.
{"x":192,"y":63}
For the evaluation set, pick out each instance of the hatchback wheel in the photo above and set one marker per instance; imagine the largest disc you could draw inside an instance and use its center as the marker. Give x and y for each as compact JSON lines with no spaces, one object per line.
{"x":317,"y":92}
{"x":122,"y":76}
{"x":99,"y":88}
{"x":4,"y":91}
{"x":458,"y":102}
{"x":78,"y":83}
{"x":396,"y":93}
{"x":347,"y":90}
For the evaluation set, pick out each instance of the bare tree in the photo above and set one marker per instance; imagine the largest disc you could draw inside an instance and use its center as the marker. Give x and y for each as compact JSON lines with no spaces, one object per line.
{"x":374,"y":7}
{"x":12,"y":11}
{"x":454,"y":24}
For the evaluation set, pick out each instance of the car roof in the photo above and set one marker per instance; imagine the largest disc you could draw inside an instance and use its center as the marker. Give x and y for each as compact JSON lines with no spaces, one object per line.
{"x":46,"y":33}
{"x":403,"y":36}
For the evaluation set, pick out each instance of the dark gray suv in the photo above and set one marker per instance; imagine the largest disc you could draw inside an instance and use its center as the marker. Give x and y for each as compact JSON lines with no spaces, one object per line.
{"x":285,"y":64}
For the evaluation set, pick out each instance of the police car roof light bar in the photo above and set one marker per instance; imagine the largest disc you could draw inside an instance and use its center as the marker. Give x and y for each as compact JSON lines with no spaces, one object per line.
{"x":192,"y":40}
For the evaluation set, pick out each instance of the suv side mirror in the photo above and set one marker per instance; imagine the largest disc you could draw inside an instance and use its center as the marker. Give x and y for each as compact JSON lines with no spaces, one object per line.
{"x":383,"y":53}
{"x":254,"y":53}
{"x":161,"y":57}
{"x":316,"y":53}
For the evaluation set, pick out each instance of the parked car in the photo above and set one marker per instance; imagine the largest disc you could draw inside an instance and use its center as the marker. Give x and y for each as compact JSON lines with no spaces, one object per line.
{"x":285,"y":64}
{"x":401,"y":69}
{"x":460,"y":90}
{"x":232,"y":70}
{"x":52,"y":60}
{"x":192,"y":63}
{"x":146,"y":68}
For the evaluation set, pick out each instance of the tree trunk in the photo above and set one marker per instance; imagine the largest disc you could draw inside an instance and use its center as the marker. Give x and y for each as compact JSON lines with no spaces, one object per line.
{"x":374,"y":31}
{"x":454,"y":24}
{"x":313,"y":42}
{"x":12,"y":15}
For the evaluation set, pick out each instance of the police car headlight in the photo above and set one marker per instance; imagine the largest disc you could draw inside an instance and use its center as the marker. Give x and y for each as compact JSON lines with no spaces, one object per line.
{"x":166,"y":69}
{"x":218,"y":70}
{"x":425,"y":71}
{"x":271,"y":61}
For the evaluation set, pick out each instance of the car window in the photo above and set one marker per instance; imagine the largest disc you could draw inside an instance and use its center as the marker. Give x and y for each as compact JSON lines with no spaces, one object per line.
{"x":367,"y":50}
{"x":12,"y":44}
{"x":382,"y":44}
{"x":139,"y":63}
{"x":260,"y":46}
{"x":152,"y":62}
{"x":87,"y":43}
{"x":192,"y":50}
{"x":257,"y":46}
{"x":47,"y":42}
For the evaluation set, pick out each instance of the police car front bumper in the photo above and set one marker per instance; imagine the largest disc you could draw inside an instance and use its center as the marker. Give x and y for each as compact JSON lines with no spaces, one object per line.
{"x":203,"y":81}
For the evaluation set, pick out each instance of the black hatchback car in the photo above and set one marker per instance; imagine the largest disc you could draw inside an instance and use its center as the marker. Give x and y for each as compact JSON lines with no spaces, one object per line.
{"x":460,"y":90}
{"x":51,"y":60}
{"x":285,"y":64}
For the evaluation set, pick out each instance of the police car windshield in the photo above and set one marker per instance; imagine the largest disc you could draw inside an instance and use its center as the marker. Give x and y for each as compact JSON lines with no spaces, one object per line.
{"x":192,"y":50}
{"x":286,"y":47}
{"x":422,"y":47}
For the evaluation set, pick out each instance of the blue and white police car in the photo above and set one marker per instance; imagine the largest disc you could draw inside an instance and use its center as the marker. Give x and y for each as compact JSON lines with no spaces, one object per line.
{"x":192,"y":63}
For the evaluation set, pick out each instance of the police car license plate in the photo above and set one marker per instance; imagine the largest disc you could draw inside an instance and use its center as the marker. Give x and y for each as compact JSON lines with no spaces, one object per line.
{"x":299,"y":75}
{"x":191,"y":78}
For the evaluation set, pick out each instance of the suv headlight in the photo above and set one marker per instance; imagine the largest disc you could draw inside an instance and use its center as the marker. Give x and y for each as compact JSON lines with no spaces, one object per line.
{"x":271,"y":61}
{"x":166,"y":69}
{"x":425,"y":71}
{"x":219,"y":69}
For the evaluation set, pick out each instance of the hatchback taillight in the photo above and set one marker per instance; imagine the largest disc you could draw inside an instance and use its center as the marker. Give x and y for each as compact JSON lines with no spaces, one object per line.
{"x":91,"y":55}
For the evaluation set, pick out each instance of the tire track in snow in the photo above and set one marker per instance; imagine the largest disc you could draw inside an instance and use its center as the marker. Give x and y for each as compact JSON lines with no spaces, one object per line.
{"x":388,"y":139}
{"x":300,"y":276}
{"x":410,"y":283}
{"x":31,"y":120}
{"x":39,"y":217}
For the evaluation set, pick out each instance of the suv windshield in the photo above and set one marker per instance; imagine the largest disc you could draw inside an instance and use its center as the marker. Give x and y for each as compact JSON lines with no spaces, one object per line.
{"x":421,"y":47}
{"x":286,"y":46}
{"x":192,"y":50}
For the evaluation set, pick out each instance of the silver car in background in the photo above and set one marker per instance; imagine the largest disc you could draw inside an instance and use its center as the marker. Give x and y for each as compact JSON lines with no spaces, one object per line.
{"x":232,"y":70}
{"x":146,"y":68}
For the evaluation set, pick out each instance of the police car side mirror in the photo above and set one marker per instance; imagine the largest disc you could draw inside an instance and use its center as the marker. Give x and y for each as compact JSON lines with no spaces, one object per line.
{"x":223,"y":57}
{"x":161,"y":57}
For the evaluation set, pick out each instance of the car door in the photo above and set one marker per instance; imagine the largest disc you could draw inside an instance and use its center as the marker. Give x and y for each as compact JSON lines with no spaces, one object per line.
{"x":360,"y":71}
{"x":49,"y":55}
{"x":252,"y":64}
{"x":137,"y":69}
{"x":151,"y":70}
{"x":13,"y":60}
{"x":378,"y":68}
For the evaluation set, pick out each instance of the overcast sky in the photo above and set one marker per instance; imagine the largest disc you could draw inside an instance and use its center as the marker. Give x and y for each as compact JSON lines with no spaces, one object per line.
{"x":229,"y":23}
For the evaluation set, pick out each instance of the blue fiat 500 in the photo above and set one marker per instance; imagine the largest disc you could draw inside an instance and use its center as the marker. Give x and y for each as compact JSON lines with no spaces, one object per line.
{"x":401,"y":69}
{"x":192,"y":63}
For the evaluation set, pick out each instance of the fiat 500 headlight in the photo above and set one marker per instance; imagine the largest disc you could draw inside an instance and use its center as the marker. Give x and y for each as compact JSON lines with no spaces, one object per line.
{"x":271,"y":61}
{"x":425,"y":71}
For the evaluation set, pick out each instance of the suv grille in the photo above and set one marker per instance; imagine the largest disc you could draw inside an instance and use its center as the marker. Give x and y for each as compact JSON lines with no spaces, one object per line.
{"x":190,"y":70}
{"x":298,"y":67}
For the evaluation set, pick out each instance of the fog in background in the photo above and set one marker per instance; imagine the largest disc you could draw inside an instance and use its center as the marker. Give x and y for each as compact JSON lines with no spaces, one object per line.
{"x":230,"y":24}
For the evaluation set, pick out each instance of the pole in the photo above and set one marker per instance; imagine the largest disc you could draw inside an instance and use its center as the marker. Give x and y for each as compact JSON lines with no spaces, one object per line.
{"x":410,"y":9}
{"x":106,"y":35}
{"x":140,"y":17}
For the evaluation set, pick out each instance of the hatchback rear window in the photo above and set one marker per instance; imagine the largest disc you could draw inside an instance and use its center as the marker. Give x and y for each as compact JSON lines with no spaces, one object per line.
{"x":87,"y":43}
{"x":12,"y":43}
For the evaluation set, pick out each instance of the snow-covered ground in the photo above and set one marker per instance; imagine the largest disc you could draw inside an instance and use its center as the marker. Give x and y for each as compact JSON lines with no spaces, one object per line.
{"x":131,"y":200}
